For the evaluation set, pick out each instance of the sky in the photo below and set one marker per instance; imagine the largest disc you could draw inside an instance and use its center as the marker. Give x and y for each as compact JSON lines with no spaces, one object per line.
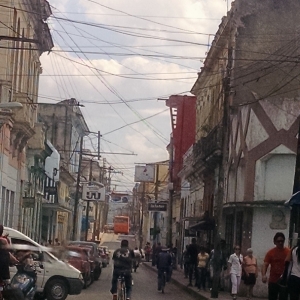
{"x":121,"y":59}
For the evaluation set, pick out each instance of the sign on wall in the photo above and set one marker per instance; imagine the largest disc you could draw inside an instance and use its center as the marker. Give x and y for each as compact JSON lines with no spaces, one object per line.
{"x":144,"y":173}
{"x":157,"y":206}
{"x":93,"y":191}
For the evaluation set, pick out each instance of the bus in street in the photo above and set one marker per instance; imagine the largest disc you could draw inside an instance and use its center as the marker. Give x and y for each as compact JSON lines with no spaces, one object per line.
{"x":121,"y":224}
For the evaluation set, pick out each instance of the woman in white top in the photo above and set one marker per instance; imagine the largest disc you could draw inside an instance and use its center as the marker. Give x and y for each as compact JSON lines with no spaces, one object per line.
{"x":235,"y":270}
{"x":293,"y":268}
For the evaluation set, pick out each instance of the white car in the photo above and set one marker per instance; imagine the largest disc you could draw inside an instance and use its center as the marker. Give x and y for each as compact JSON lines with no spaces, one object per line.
{"x":56,"y":279}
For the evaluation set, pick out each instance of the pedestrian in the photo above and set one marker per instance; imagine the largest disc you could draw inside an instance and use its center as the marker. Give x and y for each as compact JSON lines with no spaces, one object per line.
{"x":185,"y":260}
{"x":275,"y":258}
{"x":193,"y":254}
{"x":157,"y":250}
{"x":292,"y":272}
{"x":173,"y":252}
{"x":251,"y":272}
{"x":147,"y":250}
{"x":235,"y":270}
{"x":164,"y":262}
{"x":203,"y":258}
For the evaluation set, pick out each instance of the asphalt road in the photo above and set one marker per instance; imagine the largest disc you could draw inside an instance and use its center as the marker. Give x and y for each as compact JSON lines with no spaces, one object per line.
{"x":145,"y":283}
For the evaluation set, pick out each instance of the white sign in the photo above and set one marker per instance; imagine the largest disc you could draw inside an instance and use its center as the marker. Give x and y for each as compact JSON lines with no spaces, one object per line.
{"x":144,"y":173}
{"x":93,"y":191}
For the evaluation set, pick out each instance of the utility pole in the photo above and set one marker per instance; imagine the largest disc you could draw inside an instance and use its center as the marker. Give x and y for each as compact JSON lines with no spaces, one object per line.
{"x":142,"y":217}
{"x":88,"y":202}
{"x":171,"y":192}
{"x":221,"y":177}
{"x":75,"y":215}
{"x":155,"y":233}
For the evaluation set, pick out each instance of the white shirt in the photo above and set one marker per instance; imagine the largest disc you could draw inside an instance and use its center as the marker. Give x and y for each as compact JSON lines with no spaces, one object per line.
{"x":296,"y":266}
{"x":236,"y":264}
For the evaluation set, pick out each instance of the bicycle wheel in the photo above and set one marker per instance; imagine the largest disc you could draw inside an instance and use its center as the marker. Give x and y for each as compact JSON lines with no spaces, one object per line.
{"x":123,"y":291}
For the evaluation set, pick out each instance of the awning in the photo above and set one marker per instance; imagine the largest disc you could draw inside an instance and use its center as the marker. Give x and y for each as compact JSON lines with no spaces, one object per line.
{"x":56,"y":207}
{"x":206,"y":223}
{"x":294,"y":200}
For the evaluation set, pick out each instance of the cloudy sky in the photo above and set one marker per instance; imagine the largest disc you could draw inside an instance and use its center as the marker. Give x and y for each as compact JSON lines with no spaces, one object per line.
{"x":118,"y":58}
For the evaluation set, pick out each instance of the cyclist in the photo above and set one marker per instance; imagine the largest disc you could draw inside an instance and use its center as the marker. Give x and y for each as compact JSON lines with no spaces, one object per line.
{"x":122,"y":258}
{"x":164,"y":264}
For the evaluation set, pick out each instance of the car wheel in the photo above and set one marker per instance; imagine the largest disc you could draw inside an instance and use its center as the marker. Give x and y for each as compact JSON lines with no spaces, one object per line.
{"x":56,"y":289}
{"x":87,"y":280}
{"x":97,"y":273}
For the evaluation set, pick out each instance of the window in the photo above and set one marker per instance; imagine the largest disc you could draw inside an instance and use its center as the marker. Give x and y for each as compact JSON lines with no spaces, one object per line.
{"x":11,"y":208}
{"x":6,"y":215}
{"x":2,"y":204}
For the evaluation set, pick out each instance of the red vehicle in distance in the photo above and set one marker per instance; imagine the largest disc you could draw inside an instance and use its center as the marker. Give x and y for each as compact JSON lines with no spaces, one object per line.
{"x":121,"y":224}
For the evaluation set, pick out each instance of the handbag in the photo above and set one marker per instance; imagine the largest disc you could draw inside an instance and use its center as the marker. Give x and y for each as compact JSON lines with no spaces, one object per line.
{"x":244,"y":276}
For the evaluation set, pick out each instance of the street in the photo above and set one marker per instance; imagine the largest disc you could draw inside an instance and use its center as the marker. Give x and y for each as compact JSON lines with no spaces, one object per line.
{"x":145,"y":282}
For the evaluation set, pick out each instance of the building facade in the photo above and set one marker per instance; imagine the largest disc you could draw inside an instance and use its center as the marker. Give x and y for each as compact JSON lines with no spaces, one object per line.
{"x":24,"y":37}
{"x":65,"y":127}
{"x":249,"y":83}
{"x":183,"y":121}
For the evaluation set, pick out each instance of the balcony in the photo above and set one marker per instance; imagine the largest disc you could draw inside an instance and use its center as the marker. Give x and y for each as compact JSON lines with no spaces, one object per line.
{"x":25,"y":115}
{"x":37,"y":141}
{"x":209,"y":149}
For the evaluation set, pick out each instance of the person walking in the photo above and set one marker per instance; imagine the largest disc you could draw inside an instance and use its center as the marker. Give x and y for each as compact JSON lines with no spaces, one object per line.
{"x":155,"y":254}
{"x":251,"y":272}
{"x":203,"y":258}
{"x":164,"y":264}
{"x":235,"y":262}
{"x":147,"y":250}
{"x":292,"y":272}
{"x":275,"y":258}
{"x":185,"y":260}
{"x":193,"y":254}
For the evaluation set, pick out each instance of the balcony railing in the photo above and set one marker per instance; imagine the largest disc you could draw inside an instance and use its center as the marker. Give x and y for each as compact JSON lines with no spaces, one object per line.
{"x":209,"y":146}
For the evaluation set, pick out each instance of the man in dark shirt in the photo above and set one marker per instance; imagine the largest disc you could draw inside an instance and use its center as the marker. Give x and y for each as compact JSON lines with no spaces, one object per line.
{"x":164,"y":263}
{"x":192,"y":252}
{"x":122,"y":258}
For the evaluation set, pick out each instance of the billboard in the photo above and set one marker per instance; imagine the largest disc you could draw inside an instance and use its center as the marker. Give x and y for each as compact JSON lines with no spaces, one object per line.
{"x":144,"y":173}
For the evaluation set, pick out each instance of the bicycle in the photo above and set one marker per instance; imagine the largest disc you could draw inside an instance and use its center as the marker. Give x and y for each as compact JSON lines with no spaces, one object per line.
{"x":121,"y":288}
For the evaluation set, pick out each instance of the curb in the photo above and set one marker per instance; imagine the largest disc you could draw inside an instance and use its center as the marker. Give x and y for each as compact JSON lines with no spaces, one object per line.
{"x":181,"y":285}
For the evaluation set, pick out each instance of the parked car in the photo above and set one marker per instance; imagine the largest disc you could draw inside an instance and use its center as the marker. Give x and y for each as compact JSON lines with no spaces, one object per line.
{"x":103,"y":256}
{"x":94,"y":256}
{"x":57,"y":279}
{"x":106,"y":251}
{"x":78,"y":257}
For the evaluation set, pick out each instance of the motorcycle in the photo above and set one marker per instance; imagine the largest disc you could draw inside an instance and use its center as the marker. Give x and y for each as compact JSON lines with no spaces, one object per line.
{"x":23,"y":285}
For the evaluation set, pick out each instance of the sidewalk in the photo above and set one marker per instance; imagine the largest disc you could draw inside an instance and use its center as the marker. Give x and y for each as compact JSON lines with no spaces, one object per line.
{"x":180,"y":281}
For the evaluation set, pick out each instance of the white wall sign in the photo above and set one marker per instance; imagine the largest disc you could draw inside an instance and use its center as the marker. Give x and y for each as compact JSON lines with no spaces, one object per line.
{"x":93,"y":191}
{"x":144,"y":173}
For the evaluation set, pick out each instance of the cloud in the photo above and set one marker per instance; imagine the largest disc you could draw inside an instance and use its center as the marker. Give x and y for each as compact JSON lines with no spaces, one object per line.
{"x":118,"y":64}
